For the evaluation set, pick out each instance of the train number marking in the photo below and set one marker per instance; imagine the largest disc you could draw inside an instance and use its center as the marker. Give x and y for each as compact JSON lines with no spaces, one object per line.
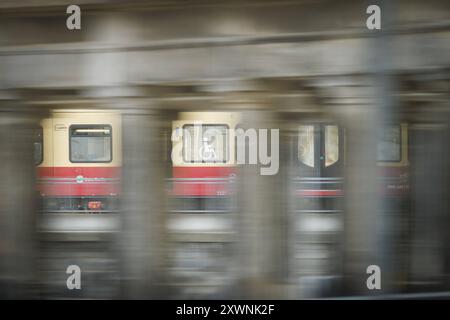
{"x":60,"y":127}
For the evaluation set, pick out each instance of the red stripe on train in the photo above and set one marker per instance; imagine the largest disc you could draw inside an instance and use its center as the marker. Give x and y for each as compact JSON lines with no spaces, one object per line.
{"x":320,"y":193}
{"x":208,"y":187}
{"x":88,"y":172}
{"x":78,"y":181}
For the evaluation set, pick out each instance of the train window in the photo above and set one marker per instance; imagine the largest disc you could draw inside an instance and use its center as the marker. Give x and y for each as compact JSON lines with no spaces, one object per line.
{"x":331,"y":145}
{"x":389,"y":144}
{"x":205,"y":143}
{"x":90,"y":143}
{"x":306,"y":145}
{"x":38,"y":146}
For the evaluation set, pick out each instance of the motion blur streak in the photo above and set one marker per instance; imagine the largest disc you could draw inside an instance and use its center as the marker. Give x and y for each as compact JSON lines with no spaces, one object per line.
{"x":118,"y":153}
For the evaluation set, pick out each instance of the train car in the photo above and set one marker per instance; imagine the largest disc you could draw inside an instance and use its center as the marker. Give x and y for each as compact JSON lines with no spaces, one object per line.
{"x":203,"y":157}
{"x":318,"y":153}
{"x":78,"y":155}
{"x":320,"y":158}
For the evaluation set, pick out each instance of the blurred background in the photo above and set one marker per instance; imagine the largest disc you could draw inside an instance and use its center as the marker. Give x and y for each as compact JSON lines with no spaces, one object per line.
{"x":97,"y":169}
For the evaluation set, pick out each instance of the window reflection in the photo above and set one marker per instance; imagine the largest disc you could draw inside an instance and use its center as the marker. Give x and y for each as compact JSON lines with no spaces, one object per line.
{"x":331,"y":145}
{"x":389,"y":144}
{"x":306,"y":145}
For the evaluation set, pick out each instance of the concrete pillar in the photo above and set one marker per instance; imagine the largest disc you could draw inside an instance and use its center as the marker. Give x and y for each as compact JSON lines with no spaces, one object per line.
{"x":142,"y":205}
{"x":260,"y":220}
{"x":388,"y":214}
{"x":361,"y":201}
{"x":446,"y":217}
{"x":18,"y":200}
{"x":429,"y":195}
{"x":370,"y":218}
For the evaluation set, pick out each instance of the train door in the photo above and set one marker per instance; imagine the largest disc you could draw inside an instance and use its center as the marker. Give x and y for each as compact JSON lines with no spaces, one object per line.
{"x":316,"y":213}
{"x":318,"y":150}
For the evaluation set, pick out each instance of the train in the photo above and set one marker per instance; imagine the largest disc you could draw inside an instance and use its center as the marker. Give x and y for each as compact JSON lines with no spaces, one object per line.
{"x":78,"y":157}
{"x":319,"y":162}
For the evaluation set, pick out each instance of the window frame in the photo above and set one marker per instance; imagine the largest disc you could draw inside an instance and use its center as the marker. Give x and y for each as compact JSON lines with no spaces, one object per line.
{"x":41,"y":129}
{"x":227,"y":150}
{"x":75,"y":126}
